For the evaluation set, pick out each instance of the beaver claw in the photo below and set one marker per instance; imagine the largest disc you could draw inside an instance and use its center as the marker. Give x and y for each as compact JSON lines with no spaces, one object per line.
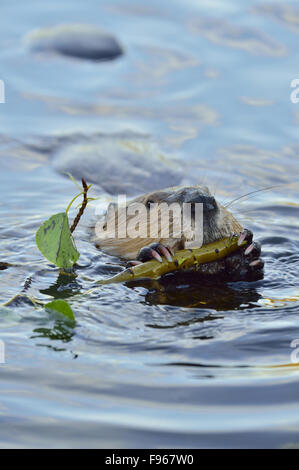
{"x":252,"y":250}
{"x":152,"y":251}
{"x":155,"y":251}
{"x":246,"y":263}
{"x":245,"y":235}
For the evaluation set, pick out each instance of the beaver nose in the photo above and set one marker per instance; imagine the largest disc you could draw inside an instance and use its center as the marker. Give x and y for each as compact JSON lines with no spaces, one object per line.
{"x":209,"y":202}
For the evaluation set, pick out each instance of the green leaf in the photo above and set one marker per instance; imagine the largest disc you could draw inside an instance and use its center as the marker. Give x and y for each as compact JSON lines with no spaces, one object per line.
{"x":62,"y":307}
{"x":55,"y":242}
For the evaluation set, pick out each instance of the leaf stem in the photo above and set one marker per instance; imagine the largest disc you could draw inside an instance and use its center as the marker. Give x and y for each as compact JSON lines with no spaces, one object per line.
{"x":74,"y":198}
{"x":82,"y":208}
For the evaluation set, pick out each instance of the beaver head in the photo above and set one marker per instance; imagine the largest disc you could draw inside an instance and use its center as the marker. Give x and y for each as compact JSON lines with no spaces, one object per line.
{"x":217,"y":221}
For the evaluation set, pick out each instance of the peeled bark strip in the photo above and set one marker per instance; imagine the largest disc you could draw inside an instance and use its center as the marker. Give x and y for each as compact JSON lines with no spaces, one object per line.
{"x":183,"y":259}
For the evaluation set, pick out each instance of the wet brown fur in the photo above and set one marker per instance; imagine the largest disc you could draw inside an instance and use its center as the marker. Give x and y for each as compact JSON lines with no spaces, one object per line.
{"x":223,"y":224}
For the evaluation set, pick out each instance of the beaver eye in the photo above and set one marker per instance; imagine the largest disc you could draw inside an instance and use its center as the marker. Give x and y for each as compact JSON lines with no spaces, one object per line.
{"x":148,"y":203}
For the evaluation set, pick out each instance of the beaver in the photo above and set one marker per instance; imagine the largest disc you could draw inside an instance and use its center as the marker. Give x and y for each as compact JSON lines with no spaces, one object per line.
{"x":217,"y":223}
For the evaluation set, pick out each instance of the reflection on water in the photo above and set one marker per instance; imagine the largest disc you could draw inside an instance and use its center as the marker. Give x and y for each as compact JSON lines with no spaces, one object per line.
{"x":65,"y":286}
{"x":200,"y":95}
{"x":286,"y":14}
{"x":230,"y":35}
{"x":184,"y":290}
{"x":58,"y":332}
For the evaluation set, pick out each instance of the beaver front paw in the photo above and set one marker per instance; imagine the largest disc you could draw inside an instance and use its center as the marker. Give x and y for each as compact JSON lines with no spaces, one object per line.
{"x":246,"y":263}
{"x":153,"y":251}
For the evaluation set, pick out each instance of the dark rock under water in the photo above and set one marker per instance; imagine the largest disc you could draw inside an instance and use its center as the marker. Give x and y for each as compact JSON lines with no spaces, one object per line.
{"x":120,"y":163}
{"x":75,"y":40}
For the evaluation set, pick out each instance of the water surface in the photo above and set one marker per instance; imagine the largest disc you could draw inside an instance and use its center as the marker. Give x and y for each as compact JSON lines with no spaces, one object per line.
{"x":206,"y":84}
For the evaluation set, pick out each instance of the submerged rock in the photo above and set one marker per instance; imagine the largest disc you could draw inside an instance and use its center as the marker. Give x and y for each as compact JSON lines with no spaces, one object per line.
{"x":75,"y":40}
{"x":120,"y":164}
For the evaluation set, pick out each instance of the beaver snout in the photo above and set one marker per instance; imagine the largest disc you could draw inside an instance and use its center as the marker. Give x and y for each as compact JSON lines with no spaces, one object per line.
{"x":208,"y":202}
{"x":193,"y":195}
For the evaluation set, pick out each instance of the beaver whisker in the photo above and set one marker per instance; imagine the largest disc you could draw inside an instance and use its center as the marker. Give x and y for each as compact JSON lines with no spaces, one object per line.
{"x":251,"y":192}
